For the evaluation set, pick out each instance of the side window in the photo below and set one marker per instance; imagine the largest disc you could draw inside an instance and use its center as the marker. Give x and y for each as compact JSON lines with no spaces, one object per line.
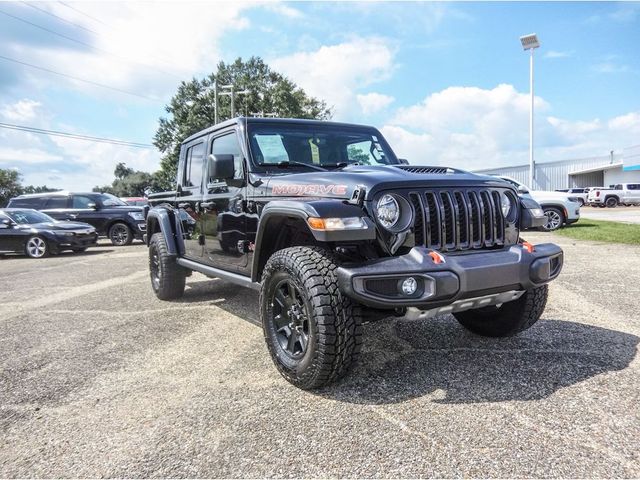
{"x":81,"y":201}
{"x":228,"y":144}
{"x":193,"y":166}
{"x":56,"y":202}
{"x":634,"y":186}
{"x":26,"y":203}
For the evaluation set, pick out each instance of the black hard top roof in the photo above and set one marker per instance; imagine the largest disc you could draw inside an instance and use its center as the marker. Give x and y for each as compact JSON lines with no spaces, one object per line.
{"x":243,"y":121}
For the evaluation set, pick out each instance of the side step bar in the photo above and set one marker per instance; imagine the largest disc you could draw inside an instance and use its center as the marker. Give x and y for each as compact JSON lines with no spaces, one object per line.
{"x":216,"y":272}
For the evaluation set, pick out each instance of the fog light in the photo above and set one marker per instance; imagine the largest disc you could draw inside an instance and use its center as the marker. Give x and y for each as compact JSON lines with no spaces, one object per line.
{"x":409,"y":286}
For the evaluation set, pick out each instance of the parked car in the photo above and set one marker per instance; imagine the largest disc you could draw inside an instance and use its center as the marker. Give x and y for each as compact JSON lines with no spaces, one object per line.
{"x":334,"y":229}
{"x":135,"y":201}
{"x":110,"y":216}
{"x":558,"y":207}
{"x":620,"y":194}
{"x":37,"y":235}
{"x":578,"y":195}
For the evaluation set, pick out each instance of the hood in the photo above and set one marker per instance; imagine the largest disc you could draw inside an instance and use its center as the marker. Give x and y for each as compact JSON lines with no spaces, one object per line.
{"x":59,"y":226}
{"x":123,"y":208}
{"x":342,"y":183}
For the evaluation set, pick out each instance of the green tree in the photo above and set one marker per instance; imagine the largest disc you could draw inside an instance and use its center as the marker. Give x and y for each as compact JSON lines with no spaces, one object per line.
{"x":192,"y":108}
{"x":129,"y":182}
{"x":9,"y":185}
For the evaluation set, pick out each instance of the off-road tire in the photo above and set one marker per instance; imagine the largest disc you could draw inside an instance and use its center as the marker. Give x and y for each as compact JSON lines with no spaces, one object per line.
{"x":120,"y":234}
{"x":557,"y":215}
{"x":334,"y":321}
{"x":611,"y":202}
{"x":510,"y":318}
{"x":167,"y":277}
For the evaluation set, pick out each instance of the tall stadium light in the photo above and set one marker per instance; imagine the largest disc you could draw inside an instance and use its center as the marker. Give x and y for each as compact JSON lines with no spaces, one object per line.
{"x":530,"y":42}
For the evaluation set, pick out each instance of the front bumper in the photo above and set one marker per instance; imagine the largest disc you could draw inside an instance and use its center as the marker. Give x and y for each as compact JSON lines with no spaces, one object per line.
{"x":69,"y":242}
{"x":140,"y":230}
{"x":464,"y":275}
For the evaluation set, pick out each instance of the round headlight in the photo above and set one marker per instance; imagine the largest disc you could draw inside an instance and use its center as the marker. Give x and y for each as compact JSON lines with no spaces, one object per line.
{"x":388,"y":211}
{"x":506,"y":204}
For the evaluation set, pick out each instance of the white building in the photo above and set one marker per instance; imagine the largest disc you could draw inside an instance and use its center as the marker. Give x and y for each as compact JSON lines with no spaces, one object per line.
{"x":580,"y":172}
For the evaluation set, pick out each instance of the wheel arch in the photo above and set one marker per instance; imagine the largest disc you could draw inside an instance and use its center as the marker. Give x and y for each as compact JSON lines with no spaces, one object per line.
{"x":162,"y":220}
{"x":282,"y":216}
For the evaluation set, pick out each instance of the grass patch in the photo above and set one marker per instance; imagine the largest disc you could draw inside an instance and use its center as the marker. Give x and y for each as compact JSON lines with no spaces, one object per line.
{"x":603,"y":231}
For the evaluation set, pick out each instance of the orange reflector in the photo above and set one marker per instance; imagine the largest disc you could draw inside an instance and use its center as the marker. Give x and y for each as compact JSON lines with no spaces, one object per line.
{"x":316,"y":223}
{"x":436,"y":257}
{"x":528,"y":247}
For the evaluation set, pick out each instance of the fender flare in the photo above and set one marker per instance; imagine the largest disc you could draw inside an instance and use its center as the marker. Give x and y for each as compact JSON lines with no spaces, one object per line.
{"x":165,"y":220}
{"x":277,"y":211}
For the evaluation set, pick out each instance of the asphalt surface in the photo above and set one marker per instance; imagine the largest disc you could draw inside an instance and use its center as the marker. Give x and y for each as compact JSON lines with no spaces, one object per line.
{"x":618,"y":214}
{"x":98,"y":378}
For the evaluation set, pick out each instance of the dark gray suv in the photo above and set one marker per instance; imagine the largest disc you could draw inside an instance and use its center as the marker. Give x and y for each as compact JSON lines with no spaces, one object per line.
{"x":110,"y":216}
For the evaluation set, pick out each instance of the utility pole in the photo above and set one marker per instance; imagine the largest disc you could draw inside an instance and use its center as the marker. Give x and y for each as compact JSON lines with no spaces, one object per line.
{"x":229,"y":90}
{"x":531,"y":42}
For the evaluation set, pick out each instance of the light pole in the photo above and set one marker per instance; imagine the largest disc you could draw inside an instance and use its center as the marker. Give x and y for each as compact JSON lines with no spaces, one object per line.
{"x":530,"y":42}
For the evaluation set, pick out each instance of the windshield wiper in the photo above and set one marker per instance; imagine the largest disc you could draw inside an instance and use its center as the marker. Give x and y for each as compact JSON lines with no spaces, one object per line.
{"x":288,"y":163}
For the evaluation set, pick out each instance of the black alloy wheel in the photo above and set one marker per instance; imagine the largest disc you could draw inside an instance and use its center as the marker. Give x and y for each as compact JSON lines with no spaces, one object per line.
{"x":120,"y":234}
{"x":290,"y":318}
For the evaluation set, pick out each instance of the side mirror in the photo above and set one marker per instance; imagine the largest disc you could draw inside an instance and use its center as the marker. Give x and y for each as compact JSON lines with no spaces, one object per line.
{"x":403,"y":161}
{"x":522,"y":189}
{"x":6,"y":223}
{"x":92,"y":206}
{"x":220,"y":167}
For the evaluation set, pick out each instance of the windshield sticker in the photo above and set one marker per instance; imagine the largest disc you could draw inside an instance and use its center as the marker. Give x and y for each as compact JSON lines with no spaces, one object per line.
{"x":311,"y":189}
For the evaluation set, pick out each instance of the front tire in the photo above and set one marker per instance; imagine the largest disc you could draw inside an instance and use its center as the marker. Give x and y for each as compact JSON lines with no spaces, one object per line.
{"x":508,"y":319}
{"x":36,"y":247}
{"x":313,"y":333}
{"x":555,"y":219}
{"x":120,"y":234}
{"x":167,"y":277}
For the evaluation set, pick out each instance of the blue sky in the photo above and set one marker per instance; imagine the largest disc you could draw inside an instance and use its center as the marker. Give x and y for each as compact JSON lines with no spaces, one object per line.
{"x":447,"y":83}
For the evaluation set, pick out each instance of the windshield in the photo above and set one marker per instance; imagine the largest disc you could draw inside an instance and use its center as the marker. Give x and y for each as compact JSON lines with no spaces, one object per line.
{"x":317,"y":145}
{"x":108,"y":200}
{"x":24,"y":217}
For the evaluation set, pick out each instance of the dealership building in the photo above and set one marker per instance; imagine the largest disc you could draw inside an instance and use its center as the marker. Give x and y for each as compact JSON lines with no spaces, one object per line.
{"x":580,"y":172}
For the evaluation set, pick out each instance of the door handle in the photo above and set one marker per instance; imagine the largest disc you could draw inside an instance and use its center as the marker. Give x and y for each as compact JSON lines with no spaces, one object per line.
{"x":207,"y":205}
{"x":184,"y":205}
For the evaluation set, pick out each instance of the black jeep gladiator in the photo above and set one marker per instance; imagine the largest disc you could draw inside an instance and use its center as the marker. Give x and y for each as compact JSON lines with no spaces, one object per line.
{"x":332,"y":229}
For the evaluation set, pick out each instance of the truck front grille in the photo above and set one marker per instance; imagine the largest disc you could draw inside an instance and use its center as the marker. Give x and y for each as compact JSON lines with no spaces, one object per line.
{"x":458,"y":219}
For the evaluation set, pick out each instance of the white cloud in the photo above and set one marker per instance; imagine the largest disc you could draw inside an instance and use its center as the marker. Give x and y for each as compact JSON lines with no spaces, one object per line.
{"x":472,"y":128}
{"x":336,"y":72}
{"x":285,"y":10}
{"x":610,"y":67}
{"x":374,"y":102}
{"x":21,"y":111}
{"x":147,"y":50}
{"x":557,"y":54}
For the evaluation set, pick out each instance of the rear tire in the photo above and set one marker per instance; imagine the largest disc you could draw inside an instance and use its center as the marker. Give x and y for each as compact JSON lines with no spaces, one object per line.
{"x":508,"y":319}
{"x":611,"y":202}
{"x":167,"y":277}
{"x":120,"y":234}
{"x":313,"y":333}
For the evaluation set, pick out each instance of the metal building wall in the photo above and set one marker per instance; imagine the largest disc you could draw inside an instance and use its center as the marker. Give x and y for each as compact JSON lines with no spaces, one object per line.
{"x":554,"y":175}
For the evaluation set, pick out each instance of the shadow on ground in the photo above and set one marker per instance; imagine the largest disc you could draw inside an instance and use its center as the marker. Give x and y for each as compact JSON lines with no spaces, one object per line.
{"x":404,"y":359}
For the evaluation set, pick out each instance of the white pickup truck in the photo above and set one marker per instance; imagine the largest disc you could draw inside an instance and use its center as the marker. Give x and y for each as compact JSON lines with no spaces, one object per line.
{"x":620,"y":194}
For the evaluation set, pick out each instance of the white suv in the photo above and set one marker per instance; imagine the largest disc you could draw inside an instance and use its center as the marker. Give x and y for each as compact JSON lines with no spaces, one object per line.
{"x":559,"y":209}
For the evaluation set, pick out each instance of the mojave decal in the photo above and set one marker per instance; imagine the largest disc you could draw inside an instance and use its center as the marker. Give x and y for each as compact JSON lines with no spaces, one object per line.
{"x":308,"y":189}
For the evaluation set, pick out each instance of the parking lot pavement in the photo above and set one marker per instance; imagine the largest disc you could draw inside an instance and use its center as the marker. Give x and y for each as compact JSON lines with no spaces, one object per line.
{"x":618,"y":214}
{"x":99,"y":378}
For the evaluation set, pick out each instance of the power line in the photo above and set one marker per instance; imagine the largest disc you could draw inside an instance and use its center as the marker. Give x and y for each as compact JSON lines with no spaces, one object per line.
{"x":79,"y":79}
{"x":75,"y":136}
{"x":58,"y":17}
{"x":85,"y":44}
{"x":83,"y":13}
